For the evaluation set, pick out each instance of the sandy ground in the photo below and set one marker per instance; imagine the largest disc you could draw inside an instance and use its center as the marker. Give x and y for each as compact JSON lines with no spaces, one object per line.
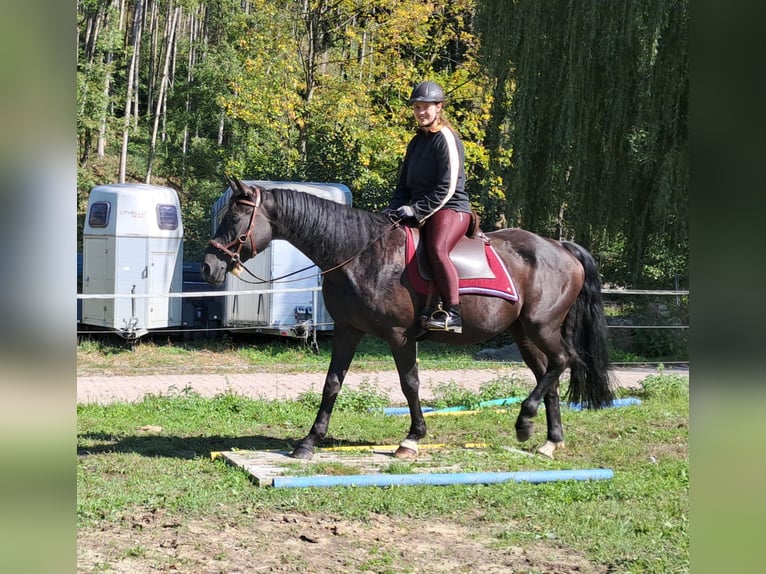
{"x":270,"y":386}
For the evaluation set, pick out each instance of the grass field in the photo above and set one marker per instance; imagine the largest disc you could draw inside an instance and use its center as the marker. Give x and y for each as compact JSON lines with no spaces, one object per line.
{"x":151,"y":499}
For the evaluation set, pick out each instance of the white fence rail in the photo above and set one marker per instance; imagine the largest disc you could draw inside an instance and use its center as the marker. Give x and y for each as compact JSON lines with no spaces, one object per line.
{"x":200,"y":294}
{"x":221,"y":293}
{"x":193,"y":294}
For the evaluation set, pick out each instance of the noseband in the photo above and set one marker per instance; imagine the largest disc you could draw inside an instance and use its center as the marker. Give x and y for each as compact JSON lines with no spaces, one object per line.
{"x":241,"y":239}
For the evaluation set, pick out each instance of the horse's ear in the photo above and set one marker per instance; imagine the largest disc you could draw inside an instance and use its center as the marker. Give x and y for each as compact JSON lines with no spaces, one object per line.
{"x":230,"y":182}
{"x":236,"y":185}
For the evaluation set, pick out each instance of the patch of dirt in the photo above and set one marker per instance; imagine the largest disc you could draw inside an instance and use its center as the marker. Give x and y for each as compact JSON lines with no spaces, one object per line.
{"x":299,"y":543}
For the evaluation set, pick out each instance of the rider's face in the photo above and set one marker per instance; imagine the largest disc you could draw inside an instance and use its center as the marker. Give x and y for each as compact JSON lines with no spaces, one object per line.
{"x":426,"y":113}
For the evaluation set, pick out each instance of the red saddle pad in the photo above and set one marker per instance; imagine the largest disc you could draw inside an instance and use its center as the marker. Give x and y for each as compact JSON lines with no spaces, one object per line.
{"x":501,"y":285}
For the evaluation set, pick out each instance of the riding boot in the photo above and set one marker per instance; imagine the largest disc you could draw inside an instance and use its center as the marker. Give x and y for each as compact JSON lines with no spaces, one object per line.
{"x":450,"y":320}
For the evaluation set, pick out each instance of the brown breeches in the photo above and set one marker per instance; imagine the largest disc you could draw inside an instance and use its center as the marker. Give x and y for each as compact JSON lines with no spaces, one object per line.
{"x":441,"y":233}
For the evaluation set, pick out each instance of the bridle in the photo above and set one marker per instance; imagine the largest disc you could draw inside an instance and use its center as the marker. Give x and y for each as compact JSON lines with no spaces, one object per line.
{"x":236,"y":265}
{"x":239,"y":241}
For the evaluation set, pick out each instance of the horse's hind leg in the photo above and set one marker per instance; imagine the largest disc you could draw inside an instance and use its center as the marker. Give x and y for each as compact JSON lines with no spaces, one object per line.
{"x":555,"y":438}
{"x":547,"y":368}
{"x":344,"y":343}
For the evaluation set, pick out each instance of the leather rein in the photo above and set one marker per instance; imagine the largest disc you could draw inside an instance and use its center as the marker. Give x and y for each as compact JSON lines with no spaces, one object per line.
{"x":239,"y":242}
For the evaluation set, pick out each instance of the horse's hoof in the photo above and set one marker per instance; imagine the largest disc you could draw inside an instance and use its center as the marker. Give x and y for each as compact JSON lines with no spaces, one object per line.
{"x":404,"y":452}
{"x":549,"y":448}
{"x":302,"y":453}
{"x":524,"y":431}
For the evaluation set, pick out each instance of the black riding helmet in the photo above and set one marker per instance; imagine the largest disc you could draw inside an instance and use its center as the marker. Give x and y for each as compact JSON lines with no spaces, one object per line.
{"x":427,"y":91}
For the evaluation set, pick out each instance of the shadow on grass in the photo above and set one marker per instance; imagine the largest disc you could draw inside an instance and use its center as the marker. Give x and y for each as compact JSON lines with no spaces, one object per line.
{"x":190,"y":447}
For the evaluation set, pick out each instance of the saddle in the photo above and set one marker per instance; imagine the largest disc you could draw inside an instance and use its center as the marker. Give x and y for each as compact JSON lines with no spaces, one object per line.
{"x":480,"y":269}
{"x":468,"y":257}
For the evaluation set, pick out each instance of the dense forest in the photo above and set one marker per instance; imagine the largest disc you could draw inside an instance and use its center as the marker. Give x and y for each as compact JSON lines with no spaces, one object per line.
{"x":573,"y":114}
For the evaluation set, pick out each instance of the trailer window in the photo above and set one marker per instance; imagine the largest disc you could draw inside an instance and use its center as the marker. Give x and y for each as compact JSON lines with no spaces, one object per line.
{"x":99,"y":214}
{"x":167,"y":216}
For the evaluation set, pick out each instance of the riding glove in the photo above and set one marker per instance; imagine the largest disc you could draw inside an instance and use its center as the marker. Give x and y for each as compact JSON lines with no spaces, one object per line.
{"x":404,"y":212}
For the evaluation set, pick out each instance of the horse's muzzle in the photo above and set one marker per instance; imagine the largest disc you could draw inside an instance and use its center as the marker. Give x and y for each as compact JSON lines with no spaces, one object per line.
{"x":213,"y":270}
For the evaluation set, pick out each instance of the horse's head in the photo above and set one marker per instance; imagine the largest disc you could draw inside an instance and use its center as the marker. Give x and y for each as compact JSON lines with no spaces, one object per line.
{"x":243,"y":232}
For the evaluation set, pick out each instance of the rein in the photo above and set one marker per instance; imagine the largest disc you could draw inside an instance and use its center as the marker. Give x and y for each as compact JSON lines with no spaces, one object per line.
{"x":242,"y":239}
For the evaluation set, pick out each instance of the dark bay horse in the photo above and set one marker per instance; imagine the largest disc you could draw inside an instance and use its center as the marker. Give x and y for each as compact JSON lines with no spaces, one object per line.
{"x":557,"y":321}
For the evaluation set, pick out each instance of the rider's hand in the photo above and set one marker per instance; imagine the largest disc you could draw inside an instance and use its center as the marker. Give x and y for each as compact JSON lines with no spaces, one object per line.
{"x":404,"y":212}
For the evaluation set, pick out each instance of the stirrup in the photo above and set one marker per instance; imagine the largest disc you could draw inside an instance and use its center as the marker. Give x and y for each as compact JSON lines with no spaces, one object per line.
{"x":427,"y":311}
{"x":436,"y":317}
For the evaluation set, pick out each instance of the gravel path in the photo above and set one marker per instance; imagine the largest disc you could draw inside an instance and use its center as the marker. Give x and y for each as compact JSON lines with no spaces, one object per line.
{"x":270,"y":386}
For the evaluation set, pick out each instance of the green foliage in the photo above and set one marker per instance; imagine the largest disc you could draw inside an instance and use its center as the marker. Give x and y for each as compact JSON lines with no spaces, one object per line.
{"x":361,"y":400}
{"x":452,"y":394}
{"x":277,"y":91}
{"x":592,"y":99}
{"x":573,"y":116}
{"x":660,"y":331}
{"x":664,"y":386}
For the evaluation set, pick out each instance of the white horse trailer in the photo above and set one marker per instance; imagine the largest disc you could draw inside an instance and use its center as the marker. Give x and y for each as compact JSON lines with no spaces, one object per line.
{"x":296,"y":308}
{"x":132,"y":245}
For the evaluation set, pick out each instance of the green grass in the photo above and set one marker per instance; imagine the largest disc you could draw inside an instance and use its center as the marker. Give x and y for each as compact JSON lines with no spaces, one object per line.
{"x":157,"y":355}
{"x":636,"y":522}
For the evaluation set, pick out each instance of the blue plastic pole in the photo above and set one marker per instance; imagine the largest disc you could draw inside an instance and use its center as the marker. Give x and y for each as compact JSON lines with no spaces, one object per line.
{"x":616,"y":403}
{"x":442,"y":479}
{"x":398,"y":411}
{"x":395,"y":411}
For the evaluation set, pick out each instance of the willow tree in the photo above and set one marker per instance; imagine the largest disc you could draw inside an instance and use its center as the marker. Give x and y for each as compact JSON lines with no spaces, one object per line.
{"x":591,"y":103}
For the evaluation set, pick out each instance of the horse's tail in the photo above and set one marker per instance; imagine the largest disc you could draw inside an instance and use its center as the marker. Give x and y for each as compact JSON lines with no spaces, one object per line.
{"x":585,"y":332}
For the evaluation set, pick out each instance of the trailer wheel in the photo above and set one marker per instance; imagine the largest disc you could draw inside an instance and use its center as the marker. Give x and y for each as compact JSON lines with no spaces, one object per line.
{"x":314,"y":344}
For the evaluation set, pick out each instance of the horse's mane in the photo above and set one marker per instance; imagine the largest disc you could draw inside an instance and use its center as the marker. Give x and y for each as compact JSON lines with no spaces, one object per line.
{"x":344,"y":229}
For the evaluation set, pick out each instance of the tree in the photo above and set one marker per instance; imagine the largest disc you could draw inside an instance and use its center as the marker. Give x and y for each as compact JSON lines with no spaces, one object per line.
{"x":169,"y":47}
{"x":130,"y":96}
{"x":271,"y":89}
{"x":331,"y":79}
{"x":592,"y":100}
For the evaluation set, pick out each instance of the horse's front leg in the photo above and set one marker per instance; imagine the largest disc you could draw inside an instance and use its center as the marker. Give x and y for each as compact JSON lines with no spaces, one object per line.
{"x":344,"y":343}
{"x":405,"y":352}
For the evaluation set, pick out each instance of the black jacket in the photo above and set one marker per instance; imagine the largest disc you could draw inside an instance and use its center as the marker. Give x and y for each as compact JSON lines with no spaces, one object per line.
{"x":432,"y":176}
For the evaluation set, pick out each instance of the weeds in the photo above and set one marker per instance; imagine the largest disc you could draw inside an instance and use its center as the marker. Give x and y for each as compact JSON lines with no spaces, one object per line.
{"x":361,"y":400}
{"x":664,"y":385}
{"x":451,"y":394}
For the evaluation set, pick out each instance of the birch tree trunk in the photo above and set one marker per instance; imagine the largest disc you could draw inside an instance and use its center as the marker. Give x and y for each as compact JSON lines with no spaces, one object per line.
{"x":101,"y":144}
{"x":129,"y":95}
{"x":108,"y":60}
{"x":137,"y":53}
{"x":189,"y":77}
{"x":163,"y":90}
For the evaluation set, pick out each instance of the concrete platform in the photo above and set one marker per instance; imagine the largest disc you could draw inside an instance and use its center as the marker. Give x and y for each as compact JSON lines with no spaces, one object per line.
{"x":266,"y":465}
{"x":353,"y":469}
